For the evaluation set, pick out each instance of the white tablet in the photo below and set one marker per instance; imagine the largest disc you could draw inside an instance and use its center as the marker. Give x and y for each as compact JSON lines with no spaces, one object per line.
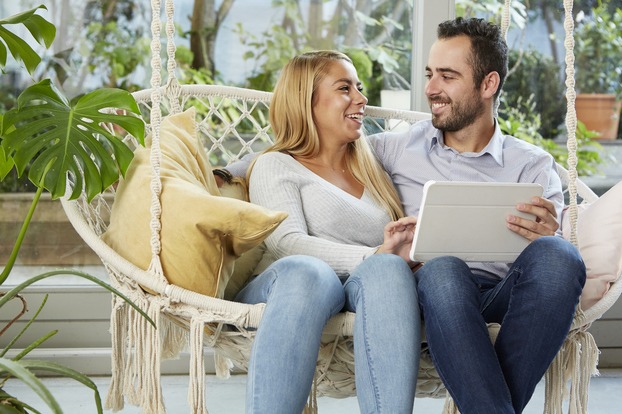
{"x":468,"y":220}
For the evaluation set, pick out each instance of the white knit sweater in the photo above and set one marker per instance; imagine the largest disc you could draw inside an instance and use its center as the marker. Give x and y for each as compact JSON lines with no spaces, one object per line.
{"x":324,"y":221}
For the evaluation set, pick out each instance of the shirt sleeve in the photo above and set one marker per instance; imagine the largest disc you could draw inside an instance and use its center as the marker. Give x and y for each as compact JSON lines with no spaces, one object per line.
{"x":240,"y":167}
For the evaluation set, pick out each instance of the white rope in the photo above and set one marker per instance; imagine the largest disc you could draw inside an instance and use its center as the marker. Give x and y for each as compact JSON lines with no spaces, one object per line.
{"x":196,"y":386}
{"x":150,"y":373}
{"x":505,"y":18}
{"x":571,"y":120}
{"x":505,"y":24}
{"x":118,"y":331}
{"x":155,"y":266}
{"x":173,"y":90}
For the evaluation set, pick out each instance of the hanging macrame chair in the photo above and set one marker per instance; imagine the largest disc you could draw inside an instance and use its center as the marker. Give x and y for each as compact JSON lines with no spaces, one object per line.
{"x":189,"y":320}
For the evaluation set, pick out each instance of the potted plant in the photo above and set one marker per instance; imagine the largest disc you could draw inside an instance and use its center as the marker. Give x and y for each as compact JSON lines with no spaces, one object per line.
{"x":598,"y":48}
{"x":54,"y":140}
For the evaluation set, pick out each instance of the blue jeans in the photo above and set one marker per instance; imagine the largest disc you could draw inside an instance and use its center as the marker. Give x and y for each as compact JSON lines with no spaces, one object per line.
{"x":301,"y":293}
{"x":534,"y":304}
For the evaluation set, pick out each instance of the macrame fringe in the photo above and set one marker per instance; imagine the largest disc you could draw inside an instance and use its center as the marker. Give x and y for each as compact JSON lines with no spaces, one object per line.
{"x":118,"y":332}
{"x":153,"y":402}
{"x":311,"y":406}
{"x":143,"y":352}
{"x":579,"y":356}
{"x":223,"y":366}
{"x":137,"y":351}
{"x":174,"y":339}
{"x":450,"y":406}
{"x":134,"y":349}
{"x":196,"y":387}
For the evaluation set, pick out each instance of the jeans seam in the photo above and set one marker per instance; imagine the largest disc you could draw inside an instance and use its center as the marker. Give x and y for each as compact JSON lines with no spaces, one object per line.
{"x":497,"y":288}
{"x":372,"y":376}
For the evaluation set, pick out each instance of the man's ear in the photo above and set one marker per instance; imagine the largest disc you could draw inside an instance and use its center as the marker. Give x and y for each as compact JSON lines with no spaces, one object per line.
{"x":490,"y":85}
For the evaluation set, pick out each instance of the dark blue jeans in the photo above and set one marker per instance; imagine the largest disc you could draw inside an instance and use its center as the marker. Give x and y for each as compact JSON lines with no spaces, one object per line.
{"x":535,"y":305}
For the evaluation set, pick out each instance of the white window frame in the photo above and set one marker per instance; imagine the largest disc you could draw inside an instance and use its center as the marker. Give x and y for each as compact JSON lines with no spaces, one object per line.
{"x":427,"y":15}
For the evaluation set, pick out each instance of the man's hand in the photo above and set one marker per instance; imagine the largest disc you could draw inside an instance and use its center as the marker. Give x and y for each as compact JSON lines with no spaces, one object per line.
{"x":545,"y":224}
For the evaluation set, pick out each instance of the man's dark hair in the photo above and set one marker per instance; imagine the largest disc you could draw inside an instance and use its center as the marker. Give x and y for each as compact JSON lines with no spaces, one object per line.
{"x":489,"y":52}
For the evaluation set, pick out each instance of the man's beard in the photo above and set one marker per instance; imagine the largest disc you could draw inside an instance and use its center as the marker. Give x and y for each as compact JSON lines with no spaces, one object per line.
{"x":461,"y":116}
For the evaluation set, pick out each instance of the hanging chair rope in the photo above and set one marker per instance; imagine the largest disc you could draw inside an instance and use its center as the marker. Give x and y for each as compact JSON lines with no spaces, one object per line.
{"x":571,"y":115}
{"x":155,"y":119}
{"x":571,"y":119}
{"x":505,"y":18}
{"x":173,"y":89}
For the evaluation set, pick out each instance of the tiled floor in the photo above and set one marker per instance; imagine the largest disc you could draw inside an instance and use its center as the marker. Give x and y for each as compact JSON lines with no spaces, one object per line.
{"x":227,"y":396}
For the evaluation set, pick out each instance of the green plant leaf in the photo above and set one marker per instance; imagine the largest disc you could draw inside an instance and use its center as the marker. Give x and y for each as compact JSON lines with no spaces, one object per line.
{"x":39,"y":365}
{"x":19,"y":49}
{"x":10,"y":404}
{"x":21,"y":332}
{"x":41,"y":30}
{"x":6,"y":163}
{"x":57,"y":138}
{"x":34,"y":345}
{"x":17,"y":370}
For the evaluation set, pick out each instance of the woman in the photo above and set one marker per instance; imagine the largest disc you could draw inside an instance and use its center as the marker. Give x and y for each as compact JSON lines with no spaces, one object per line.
{"x":339,"y":202}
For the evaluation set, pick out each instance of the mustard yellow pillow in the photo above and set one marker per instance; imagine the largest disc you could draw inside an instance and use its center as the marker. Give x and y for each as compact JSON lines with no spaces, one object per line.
{"x":245,"y":265}
{"x":202,"y":233}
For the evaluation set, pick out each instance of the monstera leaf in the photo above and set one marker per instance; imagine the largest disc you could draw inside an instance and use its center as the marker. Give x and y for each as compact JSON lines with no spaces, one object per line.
{"x":61,"y":139}
{"x":40,"y":29}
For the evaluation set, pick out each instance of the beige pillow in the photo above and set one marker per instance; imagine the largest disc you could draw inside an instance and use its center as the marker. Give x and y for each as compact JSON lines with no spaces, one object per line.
{"x":599,"y":235}
{"x":202,"y":233}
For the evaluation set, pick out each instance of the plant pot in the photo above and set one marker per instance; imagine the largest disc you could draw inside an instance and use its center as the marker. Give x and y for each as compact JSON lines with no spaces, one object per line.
{"x":599,"y":112}
{"x":50,"y":239}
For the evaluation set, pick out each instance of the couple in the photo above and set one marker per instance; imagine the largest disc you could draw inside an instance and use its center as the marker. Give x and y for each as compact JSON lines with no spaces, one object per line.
{"x":336,"y":251}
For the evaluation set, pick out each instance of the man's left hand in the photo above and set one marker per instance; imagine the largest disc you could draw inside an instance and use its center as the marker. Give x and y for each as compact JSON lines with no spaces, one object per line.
{"x":545,"y":223}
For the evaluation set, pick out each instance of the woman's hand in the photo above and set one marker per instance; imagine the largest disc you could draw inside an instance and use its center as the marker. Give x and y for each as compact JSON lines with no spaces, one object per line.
{"x":398,"y":238}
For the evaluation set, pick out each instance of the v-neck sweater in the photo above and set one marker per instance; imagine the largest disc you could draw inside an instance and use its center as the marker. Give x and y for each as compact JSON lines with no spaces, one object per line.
{"x":323,"y":220}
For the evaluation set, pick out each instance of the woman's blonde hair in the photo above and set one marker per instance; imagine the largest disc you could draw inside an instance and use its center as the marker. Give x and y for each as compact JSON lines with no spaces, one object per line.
{"x":291,"y":118}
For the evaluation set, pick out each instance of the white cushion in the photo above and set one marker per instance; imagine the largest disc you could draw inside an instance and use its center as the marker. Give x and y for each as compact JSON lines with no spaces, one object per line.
{"x":599,"y":236}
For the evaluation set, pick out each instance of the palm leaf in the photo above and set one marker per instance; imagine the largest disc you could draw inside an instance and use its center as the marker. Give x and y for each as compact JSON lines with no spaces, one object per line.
{"x":62,"y":138}
{"x":41,"y":30}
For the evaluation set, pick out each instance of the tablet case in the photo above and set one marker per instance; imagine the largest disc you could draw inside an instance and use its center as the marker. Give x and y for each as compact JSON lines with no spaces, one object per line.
{"x":468,"y":220}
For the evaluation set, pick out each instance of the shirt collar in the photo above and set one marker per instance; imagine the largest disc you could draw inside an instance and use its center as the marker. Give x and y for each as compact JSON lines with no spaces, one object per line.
{"x":494,"y":147}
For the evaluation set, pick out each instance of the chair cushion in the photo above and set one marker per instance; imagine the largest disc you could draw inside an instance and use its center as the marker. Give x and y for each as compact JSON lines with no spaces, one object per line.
{"x":599,"y":230}
{"x":202,"y":233}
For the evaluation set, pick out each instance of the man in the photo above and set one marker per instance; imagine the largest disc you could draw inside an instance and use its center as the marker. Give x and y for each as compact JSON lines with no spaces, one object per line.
{"x":535,"y":297}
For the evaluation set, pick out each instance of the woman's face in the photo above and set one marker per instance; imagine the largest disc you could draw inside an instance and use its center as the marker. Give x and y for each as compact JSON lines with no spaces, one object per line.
{"x":339,"y":104}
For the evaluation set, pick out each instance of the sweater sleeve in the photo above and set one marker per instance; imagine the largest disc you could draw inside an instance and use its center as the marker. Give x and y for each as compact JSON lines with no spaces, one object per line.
{"x":276,"y":185}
